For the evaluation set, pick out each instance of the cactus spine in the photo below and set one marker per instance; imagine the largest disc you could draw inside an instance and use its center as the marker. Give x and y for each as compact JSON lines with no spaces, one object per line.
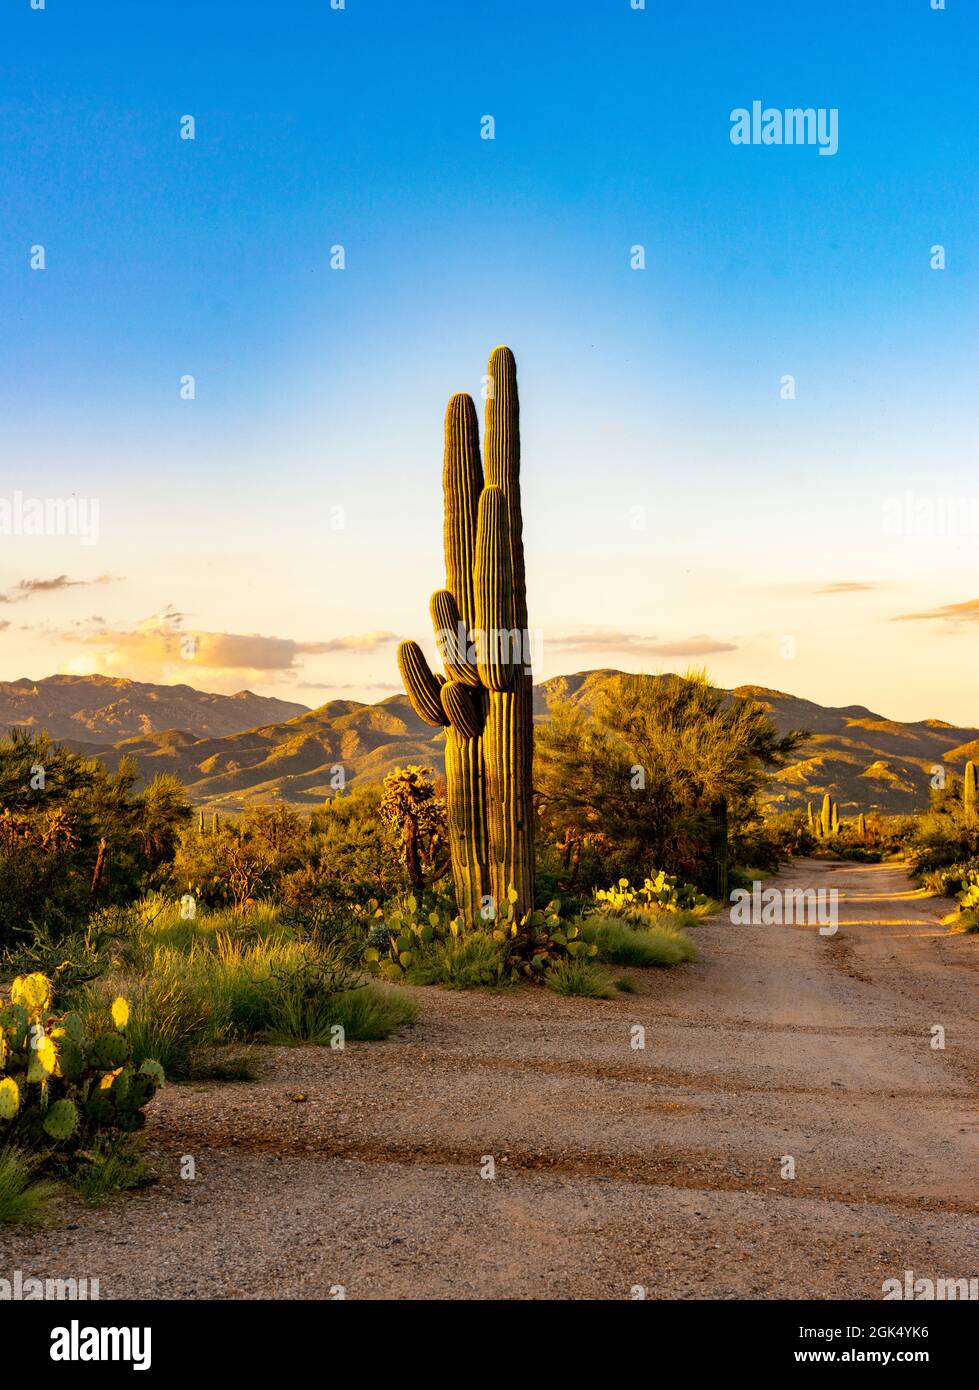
{"x":970,"y":788}
{"x":485,"y":700}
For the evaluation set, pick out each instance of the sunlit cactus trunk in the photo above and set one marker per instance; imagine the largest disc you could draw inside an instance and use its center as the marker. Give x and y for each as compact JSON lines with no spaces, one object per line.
{"x":509,"y":736}
{"x":485,"y":700}
{"x":970,"y":790}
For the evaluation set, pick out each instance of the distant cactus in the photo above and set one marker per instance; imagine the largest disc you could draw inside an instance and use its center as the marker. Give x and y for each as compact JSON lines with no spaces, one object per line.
{"x":809,"y":819}
{"x":835,"y":819}
{"x":215,"y":823}
{"x":200,"y":823}
{"x":862,"y":826}
{"x":484,"y":702}
{"x":826,"y":817}
{"x":969,"y":789}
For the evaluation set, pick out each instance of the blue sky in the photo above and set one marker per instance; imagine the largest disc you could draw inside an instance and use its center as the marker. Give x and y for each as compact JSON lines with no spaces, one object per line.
{"x":319,"y":389}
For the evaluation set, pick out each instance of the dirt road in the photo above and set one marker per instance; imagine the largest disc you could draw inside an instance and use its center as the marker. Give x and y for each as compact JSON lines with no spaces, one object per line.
{"x":615,"y":1167}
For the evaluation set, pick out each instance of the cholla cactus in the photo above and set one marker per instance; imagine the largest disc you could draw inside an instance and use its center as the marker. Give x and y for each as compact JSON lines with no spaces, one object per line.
{"x":484,"y":701}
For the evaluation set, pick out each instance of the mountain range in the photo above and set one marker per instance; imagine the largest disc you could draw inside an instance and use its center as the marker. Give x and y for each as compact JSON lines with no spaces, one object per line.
{"x":104,"y":709}
{"x":235,"y":750}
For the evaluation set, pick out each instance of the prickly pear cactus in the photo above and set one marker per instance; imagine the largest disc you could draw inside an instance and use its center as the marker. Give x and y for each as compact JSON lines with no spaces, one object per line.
{"x":57,"y":1085}
{"x":484,"y":701}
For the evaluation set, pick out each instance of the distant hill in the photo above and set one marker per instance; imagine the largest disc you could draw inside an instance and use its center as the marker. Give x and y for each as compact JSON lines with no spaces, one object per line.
{"x":864,"y":760}
{"x":104,"y":709}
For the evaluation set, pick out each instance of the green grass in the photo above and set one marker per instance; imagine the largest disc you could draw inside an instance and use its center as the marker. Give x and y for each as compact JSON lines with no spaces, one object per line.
{"x":116,"y":1165}
{"x":620,"y":943}
{"x":581,"y":978}
{"x":372,"y":1013}
{"x":156,"y":923}
{"x":471,"y":961}
{"x":24,"y":1199}
{"x":227,"y":991}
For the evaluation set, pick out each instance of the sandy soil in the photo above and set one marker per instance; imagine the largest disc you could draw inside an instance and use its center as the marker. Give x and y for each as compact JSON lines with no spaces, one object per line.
{"x":614,"y":1167}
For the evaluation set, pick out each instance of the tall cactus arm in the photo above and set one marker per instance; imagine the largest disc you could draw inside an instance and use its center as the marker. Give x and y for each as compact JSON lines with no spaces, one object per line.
{"x":462,"y":485}
{"x":423,"y":689}
{"x":494,"y":633}
{"x":463,"y":708}
{"x":502,"y":449}
{"x":452,"y":636}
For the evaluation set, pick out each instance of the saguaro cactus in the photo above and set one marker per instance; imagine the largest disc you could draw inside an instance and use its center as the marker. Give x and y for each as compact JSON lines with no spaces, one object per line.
{"x":970,"y":789}
{"x":862,"y":826}
{"x":826,"y":816}
{"x":809,"y":821}
{"x":484,"y":701}
{"x":835,"y":820}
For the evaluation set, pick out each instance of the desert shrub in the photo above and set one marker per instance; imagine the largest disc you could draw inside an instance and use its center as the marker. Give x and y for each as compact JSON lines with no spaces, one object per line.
{"x":349,"y":850}
{"x":967,"y":917}
{"x":948,"y":882}
{"x":621,"y":944}
{"x":61,"y":1085}
{"x":373,"y":1013}
{"x":766,"y":842}
{"x":355,"y":857}
{"x":941,"y":838}
{"x":75,"y":836}
{"x":110,"y":1164}
{"x":303,"y":995}
{"x":704,"y":759}
{"x":168,"y":1018}
{"x":69,"y":962}
{"x":222,"y":989}
{"x":241,"y":860}
{"x":474,"y":960}
{"x":580,"y":977}
{"x":24,"y":1197}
